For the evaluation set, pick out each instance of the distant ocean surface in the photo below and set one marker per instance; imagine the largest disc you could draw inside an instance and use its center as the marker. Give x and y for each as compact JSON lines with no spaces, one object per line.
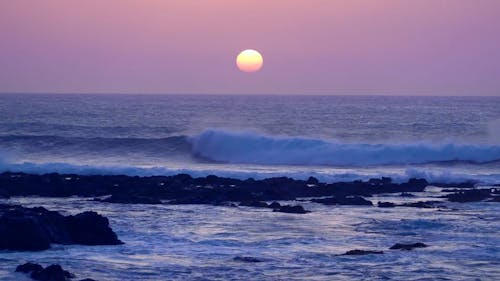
{"x":329,"y":137}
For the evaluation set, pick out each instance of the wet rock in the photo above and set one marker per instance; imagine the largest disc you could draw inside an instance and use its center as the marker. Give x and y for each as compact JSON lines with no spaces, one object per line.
{"x":472,"y":195}
{"x":347,"y":200}
{"x":90,"y":228}
{"x":184,"y":189}
{"x":406,"y":194}
{"x":297,"y":209}
{"x":130,"y":199}
{"x":257,"y":204}
{"x":361,"y":252}
{"x":386,"y":204}
{"x":411,"y":246}
{"x":52,"y":273}
{"x":20,"y":232}
{"x":246,"y":259}
{"x":420,"y":204}
{"x":312,"y":180}
{"x":28,"y":267}
{"x":34,"y":229}
{"x":274,"y":205}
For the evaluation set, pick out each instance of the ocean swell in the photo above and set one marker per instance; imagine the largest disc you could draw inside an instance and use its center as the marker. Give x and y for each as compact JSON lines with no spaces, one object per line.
{"x":254,"y":148}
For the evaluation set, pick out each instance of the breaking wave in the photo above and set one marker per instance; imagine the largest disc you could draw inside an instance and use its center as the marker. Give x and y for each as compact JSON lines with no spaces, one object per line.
{"x":254,"y":148}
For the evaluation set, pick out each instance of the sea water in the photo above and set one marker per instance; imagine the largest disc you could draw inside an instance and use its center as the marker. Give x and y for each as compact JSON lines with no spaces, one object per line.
{"x":330,"y":137}
{"x":333,"y":138}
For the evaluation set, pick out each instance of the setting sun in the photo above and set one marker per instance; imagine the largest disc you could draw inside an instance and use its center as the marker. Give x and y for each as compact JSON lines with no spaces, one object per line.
{"x":249,"y":61}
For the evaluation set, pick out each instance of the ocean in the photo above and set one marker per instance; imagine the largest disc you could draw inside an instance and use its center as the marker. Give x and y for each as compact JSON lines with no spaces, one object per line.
{"x":330,"y":137}
{"x":333,"y":138}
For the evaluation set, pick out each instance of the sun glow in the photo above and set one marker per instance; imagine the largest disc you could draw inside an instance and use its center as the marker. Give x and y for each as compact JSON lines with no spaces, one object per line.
{"x":249,"y":61}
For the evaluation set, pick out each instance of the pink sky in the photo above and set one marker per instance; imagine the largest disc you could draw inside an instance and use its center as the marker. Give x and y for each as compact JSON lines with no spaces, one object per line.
{"x":431,"y":47}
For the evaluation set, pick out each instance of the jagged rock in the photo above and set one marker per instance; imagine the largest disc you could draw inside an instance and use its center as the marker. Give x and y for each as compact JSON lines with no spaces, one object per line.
{"x":361,"y":252}
{"x":386,"y":204}
{"x":21,"y":232}
{"x":34,"y":229}
{"x":28,"y":267}
{"x":347,"y":200}
{"x":401,"y":246}
{"x":184,"y":189}
{"x":90,"y":228}
{"x":312,"y":180}
{"x":297,"y":209}
{"x":420,"y":204}
{"x":406,"y":194}
{"x":472,"y":195}
{"x":258,"y":204}
{"x":274,"y":205}
{"x":52,"y":273}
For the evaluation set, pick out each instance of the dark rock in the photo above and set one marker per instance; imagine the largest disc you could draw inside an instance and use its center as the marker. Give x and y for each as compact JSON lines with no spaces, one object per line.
{"x":400,"y":246}
{"x":347,"y":200}
{"x":420,"y":204}
{"x":258,"y":204}
{"x":414,"y":185}
{"x":386,"y":204}
{"x":90,"y":228}
{"x":246,"y":259}
{"x":312,"y":180}
{"x":28,"y":267}
{"x":20,"y":232}
{"x":381,"y":181}
{"x":274,"y":205}
{"x":406,"y":194}
{"x":130,"y":199}
{"x":472,"y":195}
{"x":297,"y":209}
{"x":361,"y":252}
{"x":183,"y":189}
{"x":34,"y":229}
{"x":52,"y":273}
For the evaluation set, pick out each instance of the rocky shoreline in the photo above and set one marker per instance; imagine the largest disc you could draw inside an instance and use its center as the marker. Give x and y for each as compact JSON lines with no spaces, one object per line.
{"x":213,"y":190}
{"x":35,"y":229}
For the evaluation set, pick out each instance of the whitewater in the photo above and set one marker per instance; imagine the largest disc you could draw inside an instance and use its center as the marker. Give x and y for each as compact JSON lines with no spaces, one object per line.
{"x":332,"y":138}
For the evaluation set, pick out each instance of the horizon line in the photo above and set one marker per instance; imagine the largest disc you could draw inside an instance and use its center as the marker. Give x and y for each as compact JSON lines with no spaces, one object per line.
{"x":252,"y":94}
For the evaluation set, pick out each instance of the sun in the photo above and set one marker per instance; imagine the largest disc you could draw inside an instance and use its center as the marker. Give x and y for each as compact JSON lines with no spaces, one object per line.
{"x":249,"y":61}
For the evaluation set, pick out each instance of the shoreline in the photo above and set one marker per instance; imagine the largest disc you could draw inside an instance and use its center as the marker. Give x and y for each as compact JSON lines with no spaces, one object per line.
{"x":215,"y":194}
{"x":214,"y":190}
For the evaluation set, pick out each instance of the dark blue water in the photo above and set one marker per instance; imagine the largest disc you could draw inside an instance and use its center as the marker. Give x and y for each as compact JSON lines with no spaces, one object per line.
{"x":332,"y":137}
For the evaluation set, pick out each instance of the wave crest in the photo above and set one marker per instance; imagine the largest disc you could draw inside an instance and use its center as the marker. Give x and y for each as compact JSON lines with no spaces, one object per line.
{"x":254,"y":148}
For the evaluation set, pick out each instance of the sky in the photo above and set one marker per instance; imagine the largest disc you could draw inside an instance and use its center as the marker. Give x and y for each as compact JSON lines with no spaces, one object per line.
{"x":342,"y":47}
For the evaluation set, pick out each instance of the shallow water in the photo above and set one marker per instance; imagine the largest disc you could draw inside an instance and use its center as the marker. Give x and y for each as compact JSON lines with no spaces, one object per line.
{"x":199,"y":242}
